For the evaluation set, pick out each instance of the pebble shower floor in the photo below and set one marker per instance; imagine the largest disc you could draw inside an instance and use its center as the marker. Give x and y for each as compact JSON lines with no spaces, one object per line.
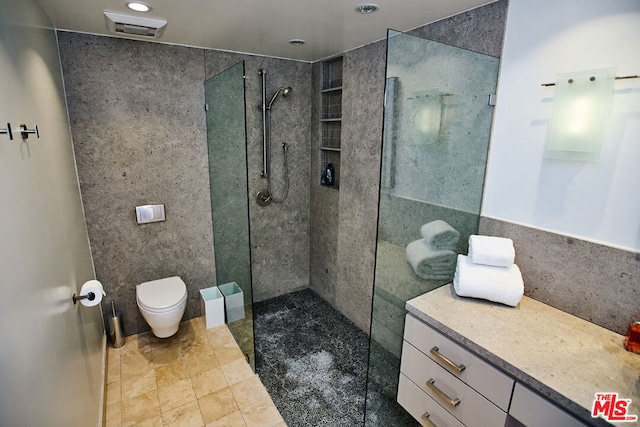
{"x":312,"y":361}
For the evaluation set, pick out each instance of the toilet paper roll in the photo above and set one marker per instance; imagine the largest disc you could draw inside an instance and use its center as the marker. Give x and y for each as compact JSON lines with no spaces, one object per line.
{"x":97,"y":289}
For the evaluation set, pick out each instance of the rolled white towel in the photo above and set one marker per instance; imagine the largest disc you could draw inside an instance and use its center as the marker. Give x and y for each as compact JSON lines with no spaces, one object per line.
{"x":498,"y":284}
{"x":440,"y":235}
{"x":430,"y":263}
{"x":488,"y":250}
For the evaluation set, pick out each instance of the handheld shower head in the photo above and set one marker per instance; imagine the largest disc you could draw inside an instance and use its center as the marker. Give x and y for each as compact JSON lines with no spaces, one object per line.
{"x":286,"y":91}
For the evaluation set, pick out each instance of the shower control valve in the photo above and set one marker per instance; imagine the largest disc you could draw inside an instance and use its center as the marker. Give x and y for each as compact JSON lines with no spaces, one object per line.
{"x":263,"y":198}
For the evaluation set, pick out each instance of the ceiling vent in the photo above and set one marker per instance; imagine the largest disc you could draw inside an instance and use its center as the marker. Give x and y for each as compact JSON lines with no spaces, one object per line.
{"x":120,"y":23}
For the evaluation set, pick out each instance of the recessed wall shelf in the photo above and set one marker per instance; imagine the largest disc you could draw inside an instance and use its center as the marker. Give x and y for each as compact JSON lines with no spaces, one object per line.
{"x":331,"y":120}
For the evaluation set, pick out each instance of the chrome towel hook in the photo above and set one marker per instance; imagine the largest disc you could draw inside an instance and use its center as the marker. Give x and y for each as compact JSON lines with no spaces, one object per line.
{"x":7,"y":130}
{"x":25,"y":131}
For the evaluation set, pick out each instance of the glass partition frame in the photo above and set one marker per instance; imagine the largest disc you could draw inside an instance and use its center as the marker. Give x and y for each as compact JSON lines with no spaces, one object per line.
{"x":436,"y":132}
{"x":227,"y":148}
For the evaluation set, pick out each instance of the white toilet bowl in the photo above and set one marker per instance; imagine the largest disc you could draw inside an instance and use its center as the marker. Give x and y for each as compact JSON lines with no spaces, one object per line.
{"x":162,"y":303}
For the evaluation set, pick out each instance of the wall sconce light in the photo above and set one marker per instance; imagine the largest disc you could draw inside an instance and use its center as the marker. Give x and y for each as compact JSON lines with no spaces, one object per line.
{"x":580,"y":109}
{"x":429,"y":111}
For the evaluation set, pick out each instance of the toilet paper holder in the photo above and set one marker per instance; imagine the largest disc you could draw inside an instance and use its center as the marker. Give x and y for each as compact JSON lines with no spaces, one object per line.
{"x":90,"y":296}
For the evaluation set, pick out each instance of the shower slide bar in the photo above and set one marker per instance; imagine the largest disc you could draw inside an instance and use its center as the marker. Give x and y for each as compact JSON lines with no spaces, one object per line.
{"x":265,"y":197}
{"x":265,"y":151}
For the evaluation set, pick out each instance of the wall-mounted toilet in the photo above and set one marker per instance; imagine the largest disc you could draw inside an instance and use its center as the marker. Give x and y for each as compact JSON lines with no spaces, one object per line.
{"x":162,"y":303}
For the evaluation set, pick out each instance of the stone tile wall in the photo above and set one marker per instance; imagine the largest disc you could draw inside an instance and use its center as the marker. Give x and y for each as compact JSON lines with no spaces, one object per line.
{"x":140,"y":138}
{"x":349,"y":255}
{"x":279,"y":232}
{"x":595,"y":282}
{"x":138,"y":123}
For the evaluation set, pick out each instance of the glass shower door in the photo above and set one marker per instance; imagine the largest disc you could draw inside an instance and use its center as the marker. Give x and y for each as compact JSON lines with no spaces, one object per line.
{"x":437,"y":124}
{"x":226,"y":140}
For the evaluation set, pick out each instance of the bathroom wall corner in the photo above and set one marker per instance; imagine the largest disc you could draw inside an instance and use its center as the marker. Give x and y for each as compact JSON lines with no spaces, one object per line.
{"x":324,"y":212}
{"x":480,"y":29}
{"x":140,"y":138}
{"x":595,"y":282}
{"x":279,"y":232}
{"x":362,"y":105}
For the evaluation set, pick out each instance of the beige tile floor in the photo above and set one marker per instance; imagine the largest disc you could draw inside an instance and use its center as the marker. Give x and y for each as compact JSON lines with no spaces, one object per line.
{"x":199,"y":377}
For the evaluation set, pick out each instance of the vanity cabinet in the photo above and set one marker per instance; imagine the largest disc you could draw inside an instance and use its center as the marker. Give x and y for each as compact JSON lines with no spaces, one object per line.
{"x":553,"y":362}
{"x":532,"y":410}
{"x":472,"y":391}
{"x":423,"y":408}
{"x":443,"y":384}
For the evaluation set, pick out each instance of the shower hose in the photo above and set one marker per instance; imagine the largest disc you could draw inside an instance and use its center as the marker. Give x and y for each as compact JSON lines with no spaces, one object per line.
{"x":286,"y":167}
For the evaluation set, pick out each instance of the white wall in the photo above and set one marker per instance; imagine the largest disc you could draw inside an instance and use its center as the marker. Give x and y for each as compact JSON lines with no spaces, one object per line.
{"x":597,"y":201}
{"x":50,"y":350}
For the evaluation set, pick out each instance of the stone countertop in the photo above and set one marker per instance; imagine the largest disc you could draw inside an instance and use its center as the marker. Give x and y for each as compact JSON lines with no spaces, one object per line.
{"x":562,"y":357}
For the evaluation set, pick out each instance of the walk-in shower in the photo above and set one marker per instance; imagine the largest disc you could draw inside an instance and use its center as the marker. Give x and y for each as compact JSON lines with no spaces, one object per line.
{"x":265,"y":197}
{"x":319,"y":368}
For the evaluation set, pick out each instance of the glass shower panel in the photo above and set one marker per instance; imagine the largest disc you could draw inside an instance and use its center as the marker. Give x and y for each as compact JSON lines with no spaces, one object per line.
{"x":437,"y":124}
{"x":226,"y":140}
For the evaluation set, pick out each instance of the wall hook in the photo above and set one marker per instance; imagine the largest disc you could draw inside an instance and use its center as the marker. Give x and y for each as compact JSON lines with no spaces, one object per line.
{"x":7,"y":130}
{"x":24,"y":131}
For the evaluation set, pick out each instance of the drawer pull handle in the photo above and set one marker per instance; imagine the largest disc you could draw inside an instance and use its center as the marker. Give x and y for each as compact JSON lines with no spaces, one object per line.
{"x":453,"y":402}
{"x":425,"y":418}
{"x":444,"y":359}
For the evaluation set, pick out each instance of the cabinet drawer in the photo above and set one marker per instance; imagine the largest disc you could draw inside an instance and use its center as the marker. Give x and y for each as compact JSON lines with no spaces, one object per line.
{"x":480,"y":375}
{"x":472,"y":408}
{"x":533,"y":410}
{"x":419,"y":405}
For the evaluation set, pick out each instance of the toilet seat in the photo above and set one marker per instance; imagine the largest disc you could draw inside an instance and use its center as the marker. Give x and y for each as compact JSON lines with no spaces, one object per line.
{"x":159,"y":296}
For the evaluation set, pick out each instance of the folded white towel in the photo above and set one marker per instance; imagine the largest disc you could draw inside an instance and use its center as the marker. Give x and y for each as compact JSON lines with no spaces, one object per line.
{"x":498,"y":284}
{"x":488,"y":250}
{"x":440,"y":235}
{"x":429,"y":263}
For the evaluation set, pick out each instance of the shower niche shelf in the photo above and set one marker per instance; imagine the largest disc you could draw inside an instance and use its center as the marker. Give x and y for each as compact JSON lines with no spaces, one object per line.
{"x":331,"y":118}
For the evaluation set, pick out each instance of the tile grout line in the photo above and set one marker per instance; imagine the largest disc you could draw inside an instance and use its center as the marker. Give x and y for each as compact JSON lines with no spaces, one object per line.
{"x":146,"y":347}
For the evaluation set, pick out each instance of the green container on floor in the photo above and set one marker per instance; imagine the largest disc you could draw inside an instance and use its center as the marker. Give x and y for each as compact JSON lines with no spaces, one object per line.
{"x":233,"y":301}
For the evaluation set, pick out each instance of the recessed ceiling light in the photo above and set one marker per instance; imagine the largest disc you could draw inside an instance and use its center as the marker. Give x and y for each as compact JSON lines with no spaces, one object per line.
{"x":367,"y":8}
{"x":138,"y":6}
{"x":297,"y":42}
